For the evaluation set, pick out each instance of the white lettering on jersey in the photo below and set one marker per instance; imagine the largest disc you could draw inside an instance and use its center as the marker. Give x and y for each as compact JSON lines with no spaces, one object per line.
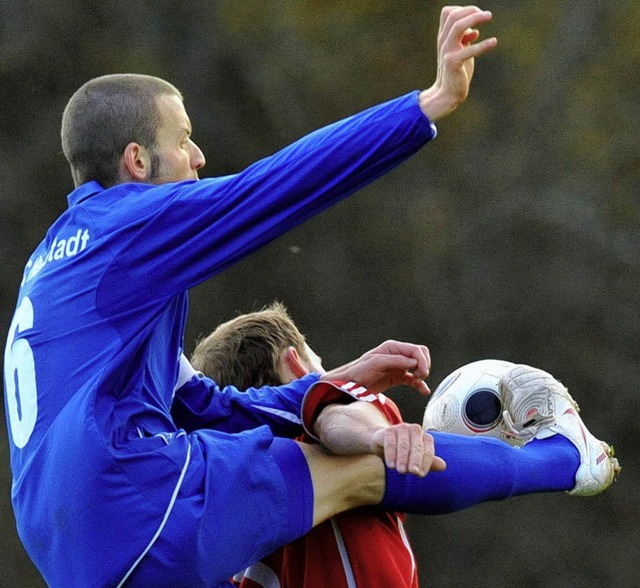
{"x":61,"y":248}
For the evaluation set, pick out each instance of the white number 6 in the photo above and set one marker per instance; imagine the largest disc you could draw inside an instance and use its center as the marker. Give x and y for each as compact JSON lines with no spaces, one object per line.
{"x":20,"y":377}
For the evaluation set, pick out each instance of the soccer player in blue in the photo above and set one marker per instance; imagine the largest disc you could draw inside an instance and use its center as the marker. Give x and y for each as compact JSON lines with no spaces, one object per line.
{"x":107,"y":488}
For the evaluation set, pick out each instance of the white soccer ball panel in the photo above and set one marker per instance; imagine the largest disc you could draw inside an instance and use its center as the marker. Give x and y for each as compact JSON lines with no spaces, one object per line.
{"x":468,"y":402}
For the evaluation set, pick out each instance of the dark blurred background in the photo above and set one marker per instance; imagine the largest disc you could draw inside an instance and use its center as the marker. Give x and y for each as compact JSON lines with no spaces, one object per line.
{"x":515,"y":235}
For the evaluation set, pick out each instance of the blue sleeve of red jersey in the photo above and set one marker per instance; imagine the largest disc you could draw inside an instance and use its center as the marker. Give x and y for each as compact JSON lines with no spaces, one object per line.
{"x":200,"y":403}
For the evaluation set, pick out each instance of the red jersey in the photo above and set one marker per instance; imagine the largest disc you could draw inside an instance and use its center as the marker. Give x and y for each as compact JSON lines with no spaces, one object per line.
{"x":365,"y":547}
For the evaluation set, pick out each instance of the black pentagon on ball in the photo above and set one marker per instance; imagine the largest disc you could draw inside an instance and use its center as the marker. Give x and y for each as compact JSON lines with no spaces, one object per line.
{"x":482,"y":409}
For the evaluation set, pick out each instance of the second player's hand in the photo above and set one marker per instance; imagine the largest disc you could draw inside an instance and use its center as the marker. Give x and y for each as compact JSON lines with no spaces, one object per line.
{"x":390,"y":364}
{"x":407,"y":448}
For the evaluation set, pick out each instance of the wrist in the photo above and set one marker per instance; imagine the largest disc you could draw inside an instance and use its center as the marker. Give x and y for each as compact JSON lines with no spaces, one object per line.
{"x":435,"y":104}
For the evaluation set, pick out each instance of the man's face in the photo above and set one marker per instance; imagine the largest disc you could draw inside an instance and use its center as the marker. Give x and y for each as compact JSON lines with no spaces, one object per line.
{"x":175,"y":157}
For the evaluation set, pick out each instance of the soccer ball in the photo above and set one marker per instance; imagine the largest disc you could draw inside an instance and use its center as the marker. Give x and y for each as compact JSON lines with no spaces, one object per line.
{"x":468,"y":402}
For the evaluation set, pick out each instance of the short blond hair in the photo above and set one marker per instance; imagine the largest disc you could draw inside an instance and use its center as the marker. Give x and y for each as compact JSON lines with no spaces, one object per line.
{"x":244,"y":352}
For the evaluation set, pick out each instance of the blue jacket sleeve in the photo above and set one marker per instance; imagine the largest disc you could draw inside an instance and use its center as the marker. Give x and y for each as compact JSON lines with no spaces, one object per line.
{"x":200,"y":403}
{"x":181,"y":234}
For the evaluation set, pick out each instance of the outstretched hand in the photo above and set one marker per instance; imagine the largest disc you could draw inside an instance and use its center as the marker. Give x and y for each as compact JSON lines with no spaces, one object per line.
{"x":457,"y":50}
{"x":392,"y":363}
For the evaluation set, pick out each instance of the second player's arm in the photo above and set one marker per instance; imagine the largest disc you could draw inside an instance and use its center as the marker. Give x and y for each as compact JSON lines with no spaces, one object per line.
{"x":361,"y":427}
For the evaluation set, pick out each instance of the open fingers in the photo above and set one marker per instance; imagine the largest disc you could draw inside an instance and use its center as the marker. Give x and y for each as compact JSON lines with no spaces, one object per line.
{"x":458,"y":21}
{"x":477,"y":49}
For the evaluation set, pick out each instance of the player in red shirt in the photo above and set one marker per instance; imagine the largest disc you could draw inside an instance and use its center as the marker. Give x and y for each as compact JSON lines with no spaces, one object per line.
{"x":368,"y":546}
{"x":361,"y":547}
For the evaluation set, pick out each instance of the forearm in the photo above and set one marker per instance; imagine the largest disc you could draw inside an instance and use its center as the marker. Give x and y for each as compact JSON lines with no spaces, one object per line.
{"x":350,"y":429}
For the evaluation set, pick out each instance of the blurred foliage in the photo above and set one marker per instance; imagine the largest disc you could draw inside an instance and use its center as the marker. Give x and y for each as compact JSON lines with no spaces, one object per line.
{"x":515,"y":234}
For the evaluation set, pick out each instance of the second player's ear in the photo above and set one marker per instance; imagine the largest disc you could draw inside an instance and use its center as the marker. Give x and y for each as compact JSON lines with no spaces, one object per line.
{"x":295,"y":363}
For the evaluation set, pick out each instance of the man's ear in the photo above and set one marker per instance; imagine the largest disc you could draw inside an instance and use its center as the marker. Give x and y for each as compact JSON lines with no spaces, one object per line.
{"x":136,"y":163}
{"x":296,"y":365}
